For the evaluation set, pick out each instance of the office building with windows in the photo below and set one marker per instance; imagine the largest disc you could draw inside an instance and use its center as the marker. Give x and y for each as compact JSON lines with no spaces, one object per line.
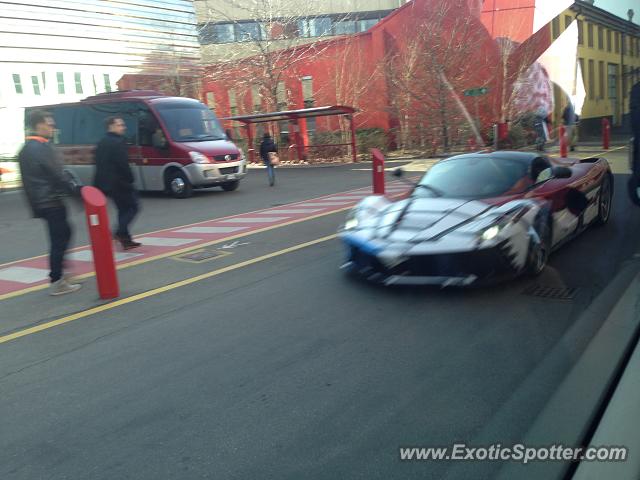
{"x":63,"y":51}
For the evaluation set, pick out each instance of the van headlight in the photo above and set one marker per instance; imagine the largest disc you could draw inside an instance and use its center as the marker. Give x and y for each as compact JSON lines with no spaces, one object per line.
{"x":490,"y":233}
{"x":197,"y":157}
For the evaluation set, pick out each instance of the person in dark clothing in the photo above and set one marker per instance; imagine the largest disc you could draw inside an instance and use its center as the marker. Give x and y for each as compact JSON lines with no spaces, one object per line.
{"x":45,"y":187}
{"x":268,"y":145}
{"x":569,"y":118}
{"x":115,"y":178}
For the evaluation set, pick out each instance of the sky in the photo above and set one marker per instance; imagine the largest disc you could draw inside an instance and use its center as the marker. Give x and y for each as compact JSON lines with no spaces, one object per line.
{"x":620,"y":7}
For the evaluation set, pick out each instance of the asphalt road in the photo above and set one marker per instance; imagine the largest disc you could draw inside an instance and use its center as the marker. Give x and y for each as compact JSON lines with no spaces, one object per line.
{"x":286,"y":369}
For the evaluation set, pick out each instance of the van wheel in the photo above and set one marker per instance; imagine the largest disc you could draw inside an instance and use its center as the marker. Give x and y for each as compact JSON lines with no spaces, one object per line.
{"x":178,"y":185}
{"x":230,"y":186}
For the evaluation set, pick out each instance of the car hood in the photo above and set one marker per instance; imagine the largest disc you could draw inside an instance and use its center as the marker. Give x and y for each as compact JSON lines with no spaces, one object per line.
{"x":427,"y":218}
{"x":211,"y":147}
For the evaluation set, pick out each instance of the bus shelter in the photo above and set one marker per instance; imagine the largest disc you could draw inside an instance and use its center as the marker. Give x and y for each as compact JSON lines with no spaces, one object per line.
{"x":293,"y":116}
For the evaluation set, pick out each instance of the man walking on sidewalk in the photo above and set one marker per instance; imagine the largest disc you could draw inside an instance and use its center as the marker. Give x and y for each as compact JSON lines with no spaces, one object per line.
{"x":45,"y":187}
{"x":114,"y":178}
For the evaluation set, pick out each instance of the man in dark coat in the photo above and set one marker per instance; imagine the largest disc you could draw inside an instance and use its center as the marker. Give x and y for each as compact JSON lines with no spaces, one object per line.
{"x":634,"y":111}
{"x":115,"y":178}
{"x":45,"y":186}
{"x":267,"y":146}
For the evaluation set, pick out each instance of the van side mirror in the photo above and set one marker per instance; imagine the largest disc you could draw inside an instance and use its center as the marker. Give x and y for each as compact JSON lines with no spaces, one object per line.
{"x":561,"y":172}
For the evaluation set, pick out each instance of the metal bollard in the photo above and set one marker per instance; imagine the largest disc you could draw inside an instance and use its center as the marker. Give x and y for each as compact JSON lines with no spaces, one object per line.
{"x":562,"y":133}
{"x":95,"y":205}
{"x":606,"y":133}
{"x":378,"y":171}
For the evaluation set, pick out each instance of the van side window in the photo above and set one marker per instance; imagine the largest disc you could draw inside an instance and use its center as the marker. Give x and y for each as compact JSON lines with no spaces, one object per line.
{"x":89,"y":122}
{"x":147,"y":126}
{"x":63,"y":117}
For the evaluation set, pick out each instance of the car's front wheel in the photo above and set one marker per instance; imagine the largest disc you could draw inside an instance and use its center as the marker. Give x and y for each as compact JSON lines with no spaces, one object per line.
{"x":605,"y":198}
{"x":178,"y":185}
{"x":539,"y":250}
{"x":230,"y":186}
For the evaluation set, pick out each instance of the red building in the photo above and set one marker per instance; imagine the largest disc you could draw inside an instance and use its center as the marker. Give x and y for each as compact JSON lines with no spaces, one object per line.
{"x":407,"y":75}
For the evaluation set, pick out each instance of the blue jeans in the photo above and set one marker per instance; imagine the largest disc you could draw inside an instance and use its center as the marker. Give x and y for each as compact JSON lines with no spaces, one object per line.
{"x":127,"y":203}
{"x":59,"y":238}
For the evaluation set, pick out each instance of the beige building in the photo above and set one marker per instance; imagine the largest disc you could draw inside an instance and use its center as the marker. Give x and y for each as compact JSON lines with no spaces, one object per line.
{"x":237,"y":28}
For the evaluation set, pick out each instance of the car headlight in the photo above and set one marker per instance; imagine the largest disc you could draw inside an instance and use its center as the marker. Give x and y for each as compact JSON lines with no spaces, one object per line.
{"x":197,"y":157}
{"x":490,"y":233}
{"x":352,"y":220}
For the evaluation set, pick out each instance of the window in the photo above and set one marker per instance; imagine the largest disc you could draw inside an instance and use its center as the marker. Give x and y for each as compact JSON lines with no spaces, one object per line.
{"x":590,"y":35}
{"x":107,"y":82}
{"x":307,"y":91}
{"x":210,"y":99}
{"x":555,"y":27}
{"x":246,"y":32}
{"x":625,"y":74}
{"x":281,"y":96}
{"x":35,"y":81}
{"x":78,"y":79}
{"x":601,"y":85}
{"x":224,"y":32}
{"x":256,"y":98}
{"x":314,"y":27}
{"x":608,"y":40}
{"x":616,"y":46}
{"x":582,"y":72}
{"x":147,"y":126}
{"x":612,"y":76}
{"x":188,"y":121}
{"x":95,"y":85}
{"x":64,"y":124}
{"x":592,"y":80}
{"x":580,"y":34}
{"x":600,"y":38}
{"x":44,"y":80}
{"x":567,"y":21}
{"x":364,"y":25}
{"x":17,"y":82}
{"x":88,"y":121}
{"x":344,"y":27}
{"x":233,"y":104}
{"x":60,"y":78}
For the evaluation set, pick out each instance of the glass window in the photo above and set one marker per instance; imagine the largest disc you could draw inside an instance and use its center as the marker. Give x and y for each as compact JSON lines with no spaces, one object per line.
{"x":567,"y":21}
{"x":307,"y":91}
{"x":107,"y":82}
{"x":482,"y":178}
{"x":246,"y":32}
{"x":148,"y":126}
{"x":303,"y":28}
{"x":35,"y":81}
{"x":224,"y":32}
{"x":17,"y":82}
{"x":555,"y":27}
{"x":601,"y":85}
{"x":64,"y":124}
{"x":44,"y":80}
{"x":590,"y":35}
{"x":189,"y":121}
{"x":608,"y":40}
{"x":580,"y":34}
{"x":592,"y":80}
{"x":233,"y":103}
{"x":78,"y":78}
{"x":206,"y":34}
{"x":211,"y":99}
{"x":256,"y":98}
{"x":60,"y":78}
{"x":617,"y":42}
{"x":89,"y":127}
{"x":344,"y":27}
{"x":364,"y":25}
{"x":600,"y":38}
{"x":612,"y":75}
{"x":320,"y":26}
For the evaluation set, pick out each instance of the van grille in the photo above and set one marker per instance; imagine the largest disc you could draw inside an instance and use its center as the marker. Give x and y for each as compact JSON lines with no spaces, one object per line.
{"x":221,"y":158}
{"x":228,"y":171}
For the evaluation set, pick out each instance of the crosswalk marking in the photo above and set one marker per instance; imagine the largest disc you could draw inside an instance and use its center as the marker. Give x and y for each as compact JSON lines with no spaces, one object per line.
{"x":166,"y":241}
{"x":24,"y":274}
{"x":254,"y":220}
{"x":87,"y":256}
{"x":210,"y":229}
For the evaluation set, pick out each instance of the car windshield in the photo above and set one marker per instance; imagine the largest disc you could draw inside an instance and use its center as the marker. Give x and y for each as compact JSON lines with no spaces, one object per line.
{"x":473,"y":177}
{"x":190,"y":122}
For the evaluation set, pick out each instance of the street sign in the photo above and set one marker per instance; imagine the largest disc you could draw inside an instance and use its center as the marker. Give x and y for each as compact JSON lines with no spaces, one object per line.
{"x":476,"y":92}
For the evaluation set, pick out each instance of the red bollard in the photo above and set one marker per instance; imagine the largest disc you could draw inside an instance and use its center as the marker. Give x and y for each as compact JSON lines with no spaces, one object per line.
{"x":378,"y":171}
{"x":563,"y":141}
{"x":606,"y":133}
{"x":95,"y":206}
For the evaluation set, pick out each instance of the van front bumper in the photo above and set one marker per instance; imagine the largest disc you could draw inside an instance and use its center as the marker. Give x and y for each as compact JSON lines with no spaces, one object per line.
{"x":211,"y":174}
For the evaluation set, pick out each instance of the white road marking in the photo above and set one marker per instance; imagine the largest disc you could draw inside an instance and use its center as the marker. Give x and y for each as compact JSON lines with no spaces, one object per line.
{"x":24,"y":274}
{"x":254,"y":220}
{"x":293,"y":211}
{"x":87,"y":256}
{"x":166,"y":241}
{"x":210,"y":229}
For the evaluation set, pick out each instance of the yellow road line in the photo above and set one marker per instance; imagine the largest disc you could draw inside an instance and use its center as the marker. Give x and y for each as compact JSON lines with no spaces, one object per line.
{"x":172,"y":253}
{"x":159,"y":290}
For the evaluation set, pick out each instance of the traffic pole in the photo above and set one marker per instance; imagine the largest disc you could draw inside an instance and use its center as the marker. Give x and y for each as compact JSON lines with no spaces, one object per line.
{"x":95,"y":206}
{"x":563,"y":141}
{"x":606,"y":133}
{"x":378,"y":171}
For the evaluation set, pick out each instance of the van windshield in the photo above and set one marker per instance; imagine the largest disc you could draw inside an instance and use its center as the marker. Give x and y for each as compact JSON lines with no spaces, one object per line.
{"x":190,"y":122}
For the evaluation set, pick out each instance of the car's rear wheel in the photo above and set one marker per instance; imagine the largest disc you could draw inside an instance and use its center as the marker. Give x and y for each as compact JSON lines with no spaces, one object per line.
{"x":605,"y":198}
{"x":539,"y":250}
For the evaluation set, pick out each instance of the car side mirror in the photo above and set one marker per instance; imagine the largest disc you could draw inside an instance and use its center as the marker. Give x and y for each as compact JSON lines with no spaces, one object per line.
{"x":577,"y":202}
{"x":398,"y":172}
{"x":561,"y":172}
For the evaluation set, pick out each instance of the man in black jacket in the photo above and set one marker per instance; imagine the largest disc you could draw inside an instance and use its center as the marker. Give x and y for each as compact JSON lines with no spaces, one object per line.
{"x":268,"y":146}
{"x":45,"y":187}
{"x":115,"y":179}
{"x":634,"y":111}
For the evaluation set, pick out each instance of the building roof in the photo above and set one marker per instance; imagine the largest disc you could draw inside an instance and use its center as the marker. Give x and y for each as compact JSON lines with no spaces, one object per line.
{"x":293,"y":114}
